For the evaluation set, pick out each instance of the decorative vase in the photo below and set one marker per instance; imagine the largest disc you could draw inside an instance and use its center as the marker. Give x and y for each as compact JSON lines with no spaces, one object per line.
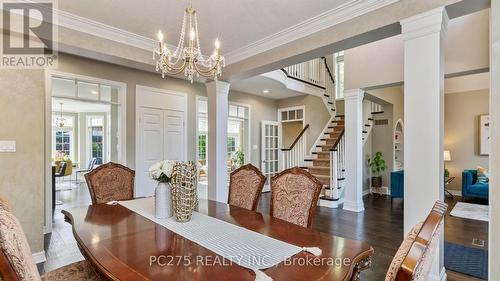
{"x":377,"y":182}
{"x":163,"y":201}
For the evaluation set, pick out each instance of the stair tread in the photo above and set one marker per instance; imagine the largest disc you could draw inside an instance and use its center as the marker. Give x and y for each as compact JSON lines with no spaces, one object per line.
{"x":324,"y":197}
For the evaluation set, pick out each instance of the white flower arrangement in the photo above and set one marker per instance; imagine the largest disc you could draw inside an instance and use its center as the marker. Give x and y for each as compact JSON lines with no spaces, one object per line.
{"x":162,"y":171}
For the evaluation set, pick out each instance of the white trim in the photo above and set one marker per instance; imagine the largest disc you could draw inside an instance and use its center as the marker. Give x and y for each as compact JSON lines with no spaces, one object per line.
{"x":138,"y":89}
{"x":39,"y":257}
{"x":433,"y":21}
{"x":337,"y":15}
{"x":122,"y":97}
{"x":442,"y":276}
{"x":342,"y":13}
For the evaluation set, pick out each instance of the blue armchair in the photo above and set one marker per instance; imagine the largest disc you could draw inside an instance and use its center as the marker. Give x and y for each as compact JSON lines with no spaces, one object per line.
{"x":471,"y":188}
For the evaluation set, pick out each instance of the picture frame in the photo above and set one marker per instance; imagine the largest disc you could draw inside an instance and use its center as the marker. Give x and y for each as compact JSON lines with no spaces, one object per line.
{"x":484,"y":134}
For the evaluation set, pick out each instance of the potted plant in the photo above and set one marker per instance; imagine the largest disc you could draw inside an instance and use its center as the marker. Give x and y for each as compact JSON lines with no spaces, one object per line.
{"x":162,"y":173}
{"x":377,"y":164}
{"x":238,"y":158}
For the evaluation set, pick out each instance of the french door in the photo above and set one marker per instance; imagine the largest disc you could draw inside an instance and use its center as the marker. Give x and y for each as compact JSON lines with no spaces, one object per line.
{"x":270,"y":150}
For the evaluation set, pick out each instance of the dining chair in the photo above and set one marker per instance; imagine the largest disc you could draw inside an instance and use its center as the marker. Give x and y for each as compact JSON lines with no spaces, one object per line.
{"x":110,"y":182}
{"x":90,"y":167}
{"x":414,"y":257}
{"x":61,"y":171}
{"x":294,"y":196}
{"x":245,"y":187}
{"x":16,"y":261}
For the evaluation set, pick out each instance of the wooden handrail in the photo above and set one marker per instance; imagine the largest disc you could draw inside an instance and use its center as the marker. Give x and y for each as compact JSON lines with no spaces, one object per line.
{"x":337,"y":141}
{"x":297,"y":139}
{"x":328,"y":70}
{"x":300,"y":80}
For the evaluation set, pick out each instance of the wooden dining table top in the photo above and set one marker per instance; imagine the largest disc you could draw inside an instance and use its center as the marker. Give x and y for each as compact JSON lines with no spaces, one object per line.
{"x":123,"y":245}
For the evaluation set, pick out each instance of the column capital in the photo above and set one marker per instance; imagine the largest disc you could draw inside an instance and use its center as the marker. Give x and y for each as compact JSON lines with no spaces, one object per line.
{"x":353,"y":94}
{"x":218,"y":86}
{"x":430,"y":22}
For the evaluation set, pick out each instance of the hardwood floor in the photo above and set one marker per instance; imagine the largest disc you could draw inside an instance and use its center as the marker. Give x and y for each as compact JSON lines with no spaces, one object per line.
{"x":381,"y":225}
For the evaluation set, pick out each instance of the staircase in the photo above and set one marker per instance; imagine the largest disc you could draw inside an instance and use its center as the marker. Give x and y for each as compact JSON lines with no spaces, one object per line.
{"x":326,"y":160}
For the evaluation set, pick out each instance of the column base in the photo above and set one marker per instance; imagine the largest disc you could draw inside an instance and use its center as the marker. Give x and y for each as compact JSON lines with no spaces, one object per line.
{"x":353,"y":206}
{"x":441,"y":277}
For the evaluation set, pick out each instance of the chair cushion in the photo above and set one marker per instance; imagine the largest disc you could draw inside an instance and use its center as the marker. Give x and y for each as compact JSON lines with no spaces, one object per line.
{"x":14,"y":245}
{"x":479,"y":189}
{"x":402,"y":252}
{"x":78,"y":271}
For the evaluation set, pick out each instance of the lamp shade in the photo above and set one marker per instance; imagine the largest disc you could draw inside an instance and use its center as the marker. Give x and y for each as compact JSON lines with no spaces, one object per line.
{"x":447,"y":155}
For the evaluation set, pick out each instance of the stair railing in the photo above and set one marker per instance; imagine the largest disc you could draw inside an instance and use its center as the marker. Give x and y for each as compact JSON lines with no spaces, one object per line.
{"x":311,"y":72}
{"x":294,"y":156}
{"x":337,"y":167}
{"x":329,"y":87}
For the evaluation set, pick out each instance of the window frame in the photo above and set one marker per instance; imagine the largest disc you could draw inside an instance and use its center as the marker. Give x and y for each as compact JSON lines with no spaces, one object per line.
{"x":339,"y":79}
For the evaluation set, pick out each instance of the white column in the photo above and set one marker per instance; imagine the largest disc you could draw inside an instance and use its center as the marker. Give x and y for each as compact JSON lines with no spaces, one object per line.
{"x":353,"y":200}
{"x":217,"y":92}
{"x":494,"y":231}
{"x":424,"y":114}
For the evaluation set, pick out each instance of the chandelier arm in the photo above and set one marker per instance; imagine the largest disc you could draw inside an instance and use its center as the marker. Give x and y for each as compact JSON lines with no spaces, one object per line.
{"x":208,"y":71}
{"x":173,"y":69}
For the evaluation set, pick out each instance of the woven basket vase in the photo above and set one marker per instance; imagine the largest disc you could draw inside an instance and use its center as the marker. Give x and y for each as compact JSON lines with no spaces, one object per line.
{"x":184,"y":190}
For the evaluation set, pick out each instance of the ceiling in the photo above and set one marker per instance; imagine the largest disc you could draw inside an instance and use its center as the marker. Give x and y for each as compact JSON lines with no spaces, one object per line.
{"x":236,"y":23}
{"x":257,"y":84}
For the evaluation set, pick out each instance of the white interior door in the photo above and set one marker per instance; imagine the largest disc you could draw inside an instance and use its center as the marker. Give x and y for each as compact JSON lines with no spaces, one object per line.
{"x":270,"y":150}
{"x":150,"y":148}
{"x":174,"y":140}
{"x":161,"y":133}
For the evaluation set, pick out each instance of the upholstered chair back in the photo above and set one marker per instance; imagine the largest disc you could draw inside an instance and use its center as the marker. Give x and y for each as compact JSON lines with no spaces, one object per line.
{"x":416,"y":254}
{"x":110,"y":182}
{"x":245,"y":187}
{"x":16,"y":261}
{"x":294,"y":196}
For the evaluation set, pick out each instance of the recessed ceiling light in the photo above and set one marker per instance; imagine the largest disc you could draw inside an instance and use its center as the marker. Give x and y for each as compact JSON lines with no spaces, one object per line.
{"x":265,"y":91}
{"x":94,"y":92}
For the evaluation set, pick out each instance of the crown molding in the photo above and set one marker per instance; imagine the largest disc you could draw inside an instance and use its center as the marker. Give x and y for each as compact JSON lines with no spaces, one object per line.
{"x":342,"y":13}
{"x":345,"y":12}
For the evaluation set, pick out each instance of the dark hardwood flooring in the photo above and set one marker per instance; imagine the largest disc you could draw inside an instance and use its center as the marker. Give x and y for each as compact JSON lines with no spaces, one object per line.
{"x":381,"y":225}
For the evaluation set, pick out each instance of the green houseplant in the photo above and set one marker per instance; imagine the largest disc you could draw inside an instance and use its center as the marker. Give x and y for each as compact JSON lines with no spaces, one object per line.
{"x":377,"y":164}
{"x":239,"y":158}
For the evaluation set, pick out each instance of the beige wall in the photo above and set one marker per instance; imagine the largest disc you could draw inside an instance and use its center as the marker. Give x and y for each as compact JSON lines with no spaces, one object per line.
{"x":261,"y":109}
{"x":381,"y":62}
{"x":316,"y":114}
{"x":494,"y":230}
{"x":290,"y":131}
{"x":461,"y":131}
{"x":22,"y":111}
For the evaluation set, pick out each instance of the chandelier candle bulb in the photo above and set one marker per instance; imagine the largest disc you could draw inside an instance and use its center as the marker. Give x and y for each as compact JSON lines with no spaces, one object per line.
{"x":192,"y":34}
{"x":160,"y":36}
{"x":217,"y":44}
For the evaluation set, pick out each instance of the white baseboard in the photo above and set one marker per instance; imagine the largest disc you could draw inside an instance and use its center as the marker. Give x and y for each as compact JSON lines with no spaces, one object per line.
{"x":39,"y":257}
{"x":442,"y":276}
{"x":354,"y":206}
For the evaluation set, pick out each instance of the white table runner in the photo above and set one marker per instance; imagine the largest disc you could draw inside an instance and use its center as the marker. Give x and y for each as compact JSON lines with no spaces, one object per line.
{"x":244,"y":247}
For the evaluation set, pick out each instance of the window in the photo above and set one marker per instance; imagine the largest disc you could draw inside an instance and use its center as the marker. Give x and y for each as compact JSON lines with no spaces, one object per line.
{"x":63,"y":142}
{"x":63,"y":136}
{"x":202,"y":147}
{"x":231,"y":145}
{"x":292,"y":114}
{"x":339,"y":74}
{"x":96,"y":137}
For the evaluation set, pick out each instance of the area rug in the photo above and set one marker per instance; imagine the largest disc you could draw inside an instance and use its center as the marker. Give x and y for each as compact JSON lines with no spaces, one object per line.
{"x":470,"y":211}
{"x":470,"y":261}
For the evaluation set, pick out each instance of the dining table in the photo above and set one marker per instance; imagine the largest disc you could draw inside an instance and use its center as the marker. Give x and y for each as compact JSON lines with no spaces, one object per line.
{"x":123,"y":245}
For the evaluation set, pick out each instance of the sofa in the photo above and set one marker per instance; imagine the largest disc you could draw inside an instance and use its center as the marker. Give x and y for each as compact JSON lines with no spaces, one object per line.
{"x":471,"y":188}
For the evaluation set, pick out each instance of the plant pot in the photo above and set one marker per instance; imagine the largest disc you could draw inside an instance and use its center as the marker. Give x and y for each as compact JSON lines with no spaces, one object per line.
{"x":377,"y":182}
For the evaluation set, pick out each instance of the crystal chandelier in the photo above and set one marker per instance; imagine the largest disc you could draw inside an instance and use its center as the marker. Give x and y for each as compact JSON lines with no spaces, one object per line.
{"x":188,"y":58}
